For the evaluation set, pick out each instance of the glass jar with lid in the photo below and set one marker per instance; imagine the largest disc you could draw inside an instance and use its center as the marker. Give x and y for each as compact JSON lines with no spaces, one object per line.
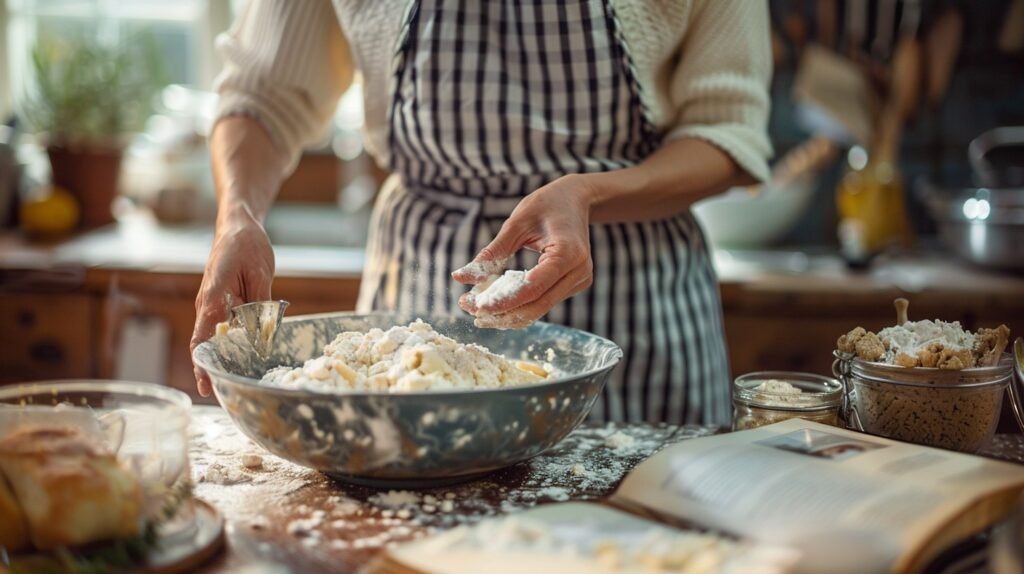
{"x":767,"y":397}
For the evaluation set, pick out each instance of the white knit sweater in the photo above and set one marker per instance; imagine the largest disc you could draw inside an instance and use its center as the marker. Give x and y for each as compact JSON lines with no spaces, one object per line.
{"x":703,"y":68}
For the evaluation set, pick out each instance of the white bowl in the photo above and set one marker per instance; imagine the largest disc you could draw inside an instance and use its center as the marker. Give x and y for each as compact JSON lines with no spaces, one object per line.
{"x":738,"y":218}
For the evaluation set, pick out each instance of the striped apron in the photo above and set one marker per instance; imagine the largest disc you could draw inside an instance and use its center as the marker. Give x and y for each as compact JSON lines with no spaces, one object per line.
{"x":492,"y":100}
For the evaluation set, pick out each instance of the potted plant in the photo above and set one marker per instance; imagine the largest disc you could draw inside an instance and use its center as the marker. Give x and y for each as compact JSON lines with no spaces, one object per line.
{"x":87,"y":100}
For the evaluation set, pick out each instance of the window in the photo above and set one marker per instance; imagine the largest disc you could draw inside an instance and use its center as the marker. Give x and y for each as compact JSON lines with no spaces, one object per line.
{"x":184,"y":29}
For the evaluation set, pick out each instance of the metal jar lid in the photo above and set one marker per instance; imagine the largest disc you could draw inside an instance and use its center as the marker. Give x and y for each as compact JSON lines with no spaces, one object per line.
{"x":998,"y":374}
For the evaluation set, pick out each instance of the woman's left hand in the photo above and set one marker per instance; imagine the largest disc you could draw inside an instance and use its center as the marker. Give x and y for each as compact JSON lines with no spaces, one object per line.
{"x":555,"y":221}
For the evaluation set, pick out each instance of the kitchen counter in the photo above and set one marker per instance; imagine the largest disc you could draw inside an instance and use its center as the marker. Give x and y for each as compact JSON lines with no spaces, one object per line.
{"x":138,"y":242}
{"x":69,"y":306}
{"x":286,"y":518}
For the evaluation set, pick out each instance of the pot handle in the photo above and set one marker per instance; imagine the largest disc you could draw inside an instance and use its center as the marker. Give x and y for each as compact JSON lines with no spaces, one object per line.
{"x":1017,"y":393}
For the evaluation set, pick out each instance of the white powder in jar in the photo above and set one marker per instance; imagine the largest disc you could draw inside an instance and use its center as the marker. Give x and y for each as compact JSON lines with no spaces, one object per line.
{"x":776,"y":393}
{"x":773,"y":400}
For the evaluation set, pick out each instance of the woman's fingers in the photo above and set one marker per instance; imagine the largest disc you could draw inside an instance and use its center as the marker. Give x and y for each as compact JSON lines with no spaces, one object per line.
{"x":492,"y":259}
{"x":558,"y":261}
{"x":479,"y":270}
{"x":570,"y":284}
{"x":240,"y":270}
{"x":212,"y":306}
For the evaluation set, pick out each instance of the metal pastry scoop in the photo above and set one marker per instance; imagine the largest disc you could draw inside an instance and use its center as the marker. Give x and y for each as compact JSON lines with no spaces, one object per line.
{"x":259,"y":320}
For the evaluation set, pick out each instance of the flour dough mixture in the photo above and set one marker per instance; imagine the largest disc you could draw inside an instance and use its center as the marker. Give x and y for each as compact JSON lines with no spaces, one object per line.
{"x":405,"y":359}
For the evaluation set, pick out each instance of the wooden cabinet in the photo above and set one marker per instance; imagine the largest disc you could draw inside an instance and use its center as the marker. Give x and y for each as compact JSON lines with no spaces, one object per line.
{"x":170,"y":299}
{"x":88,"y":332}
{"x":46,"y":336}
{"x":798,"y":331}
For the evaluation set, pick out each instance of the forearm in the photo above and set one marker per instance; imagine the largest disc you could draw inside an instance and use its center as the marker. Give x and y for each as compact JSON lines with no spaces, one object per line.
{"x":668,"y":182}
{"x":247,"y":170}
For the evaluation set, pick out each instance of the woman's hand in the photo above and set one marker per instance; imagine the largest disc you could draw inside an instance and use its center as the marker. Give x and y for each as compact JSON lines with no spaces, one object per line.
{"x":555,"y":221}
{"x":239,"y":270}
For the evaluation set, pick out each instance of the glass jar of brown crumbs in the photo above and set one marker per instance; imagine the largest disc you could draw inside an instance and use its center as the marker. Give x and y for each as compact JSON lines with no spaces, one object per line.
{"x":944,"y":408}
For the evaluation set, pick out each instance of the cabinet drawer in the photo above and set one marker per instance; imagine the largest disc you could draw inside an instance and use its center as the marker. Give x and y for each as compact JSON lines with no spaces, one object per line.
{"x":45,"y":336}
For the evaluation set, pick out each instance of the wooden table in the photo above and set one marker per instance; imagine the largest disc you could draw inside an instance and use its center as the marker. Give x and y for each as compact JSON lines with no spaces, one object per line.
{"x":286,"y":518}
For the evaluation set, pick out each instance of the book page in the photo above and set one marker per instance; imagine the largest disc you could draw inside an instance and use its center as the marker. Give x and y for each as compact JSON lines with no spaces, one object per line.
{"x":842,"y":496}
{"x":583,"y":538}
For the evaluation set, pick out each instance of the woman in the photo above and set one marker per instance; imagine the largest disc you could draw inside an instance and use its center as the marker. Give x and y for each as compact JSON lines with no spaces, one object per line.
{"x":579,"y":130}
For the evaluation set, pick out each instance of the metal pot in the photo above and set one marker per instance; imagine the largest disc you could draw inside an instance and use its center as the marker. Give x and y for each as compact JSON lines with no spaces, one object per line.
{"x":982,"y":225}
{"x":985,"y":224}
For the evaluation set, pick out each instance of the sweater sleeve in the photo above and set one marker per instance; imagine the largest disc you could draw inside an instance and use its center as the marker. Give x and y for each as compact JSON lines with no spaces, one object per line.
{"x":286,"y":63}
{"x":718,"y":90}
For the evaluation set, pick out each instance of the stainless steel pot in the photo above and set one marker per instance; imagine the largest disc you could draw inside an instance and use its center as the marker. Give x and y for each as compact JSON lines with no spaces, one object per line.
{"x":985,"y":224}
{"x":981,"y":225}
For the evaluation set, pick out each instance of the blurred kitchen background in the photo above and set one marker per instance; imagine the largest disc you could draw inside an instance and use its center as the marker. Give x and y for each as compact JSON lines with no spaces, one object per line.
{"x":899,"y":172}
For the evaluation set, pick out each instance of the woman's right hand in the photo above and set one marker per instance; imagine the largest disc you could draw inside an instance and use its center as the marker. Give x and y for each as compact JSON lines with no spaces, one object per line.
{"x":239,"y":270}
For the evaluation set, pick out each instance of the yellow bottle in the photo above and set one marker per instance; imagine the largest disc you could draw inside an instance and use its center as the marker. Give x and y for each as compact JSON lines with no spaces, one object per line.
{"x":871,"y":208}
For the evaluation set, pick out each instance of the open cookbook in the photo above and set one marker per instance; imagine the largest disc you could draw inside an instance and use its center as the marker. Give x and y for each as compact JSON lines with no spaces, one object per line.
{"x":795,"y":496}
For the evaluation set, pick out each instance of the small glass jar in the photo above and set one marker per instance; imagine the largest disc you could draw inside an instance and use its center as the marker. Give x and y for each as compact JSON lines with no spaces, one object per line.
{"x":755,"y":406}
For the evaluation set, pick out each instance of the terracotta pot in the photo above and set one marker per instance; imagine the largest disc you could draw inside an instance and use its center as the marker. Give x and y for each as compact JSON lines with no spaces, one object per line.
{"x":90,"y":173}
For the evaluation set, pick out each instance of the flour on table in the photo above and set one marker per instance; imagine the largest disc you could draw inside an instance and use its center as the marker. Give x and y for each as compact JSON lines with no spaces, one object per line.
{"x":405,"y":359}
{"x":305,"y":527}
{"x":395,"y":498}
{"x":217,"y":473}
{"x":619,"y":440}
{"x":251,"y":461}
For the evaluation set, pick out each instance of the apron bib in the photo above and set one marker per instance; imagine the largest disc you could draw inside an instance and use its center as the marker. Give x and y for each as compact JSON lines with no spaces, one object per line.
{"x":492,"y":100}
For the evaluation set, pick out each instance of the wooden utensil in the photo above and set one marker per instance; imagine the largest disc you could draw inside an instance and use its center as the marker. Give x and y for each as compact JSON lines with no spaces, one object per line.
{"x":827,"y":21}
{"x":870,"y":201}
{"x":836,"y":87}
{"x":942,"y":46}
{"x":856,"y":29}
{"x":796,"y":30}
{"x":904,"y":93}
{"x":1011,"y":37}
{"x":901,"y":305}
{"x":885,"y":29}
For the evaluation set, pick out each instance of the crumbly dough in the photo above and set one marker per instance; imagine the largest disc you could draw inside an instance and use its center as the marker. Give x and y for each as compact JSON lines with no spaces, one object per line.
{"x":405,"y":359}
{"x":933,"y":344}
{"x":861,"y":343}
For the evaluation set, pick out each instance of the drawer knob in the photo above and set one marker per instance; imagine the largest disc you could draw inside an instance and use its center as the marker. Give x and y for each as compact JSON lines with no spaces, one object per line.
{"x":47,"y":352}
